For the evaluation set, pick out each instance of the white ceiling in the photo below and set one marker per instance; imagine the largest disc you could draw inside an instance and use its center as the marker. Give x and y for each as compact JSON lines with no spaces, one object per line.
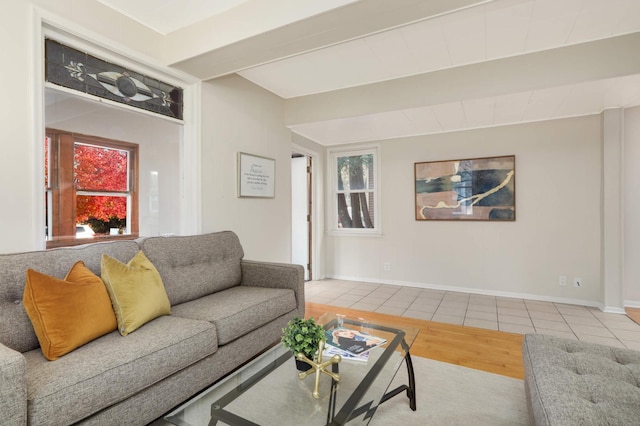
{"x":165,"y":16}
{"x":494,"y":30}
{"x":435,"y":38}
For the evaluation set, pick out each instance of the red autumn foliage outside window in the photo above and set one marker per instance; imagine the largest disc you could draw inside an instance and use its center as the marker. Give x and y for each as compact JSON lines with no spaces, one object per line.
{"x":104,"y":170}
{"x":89,"y":181}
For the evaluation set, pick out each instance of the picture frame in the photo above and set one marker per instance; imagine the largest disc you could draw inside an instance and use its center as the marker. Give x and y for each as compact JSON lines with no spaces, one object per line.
{"x":480,"y":189}
{"x":256,"y":176}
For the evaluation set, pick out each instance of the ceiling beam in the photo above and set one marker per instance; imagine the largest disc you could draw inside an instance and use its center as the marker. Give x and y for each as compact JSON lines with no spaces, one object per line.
{"x":597,"y":60}
{"x":348,"y":22}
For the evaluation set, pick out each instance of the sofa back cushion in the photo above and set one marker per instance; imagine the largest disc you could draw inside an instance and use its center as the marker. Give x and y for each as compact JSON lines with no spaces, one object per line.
{"x":16,"y":330}
{"x":197,"y":265}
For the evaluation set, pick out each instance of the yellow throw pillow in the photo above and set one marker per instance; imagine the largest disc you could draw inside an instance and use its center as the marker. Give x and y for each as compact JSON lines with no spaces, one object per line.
{"x":67,"y":313}
{"x":136,"y":291}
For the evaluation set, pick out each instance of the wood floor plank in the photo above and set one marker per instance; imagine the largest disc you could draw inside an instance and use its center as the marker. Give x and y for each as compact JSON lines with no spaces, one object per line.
{"x":487,"y":350}
{"x":634,"y":314}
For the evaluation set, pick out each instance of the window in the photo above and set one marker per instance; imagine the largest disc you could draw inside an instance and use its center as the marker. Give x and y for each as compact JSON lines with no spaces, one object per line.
{"x":355,"y":192}
{"x":90,"y":187}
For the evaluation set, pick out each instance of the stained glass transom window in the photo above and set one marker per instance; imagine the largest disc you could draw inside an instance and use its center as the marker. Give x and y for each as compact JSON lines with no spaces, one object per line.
{"x":80,"y":71}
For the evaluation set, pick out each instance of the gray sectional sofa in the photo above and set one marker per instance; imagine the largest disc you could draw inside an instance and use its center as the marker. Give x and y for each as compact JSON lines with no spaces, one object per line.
{"x":224,"y":311}
{"x":570,"y":382}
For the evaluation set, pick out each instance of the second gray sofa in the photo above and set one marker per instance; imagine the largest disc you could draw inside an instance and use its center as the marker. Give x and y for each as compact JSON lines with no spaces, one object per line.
{"x":570,"y":382}
{"x":224,"y":311}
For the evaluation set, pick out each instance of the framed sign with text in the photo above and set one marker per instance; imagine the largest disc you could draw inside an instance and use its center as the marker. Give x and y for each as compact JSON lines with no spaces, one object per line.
{"x":256,"y":176}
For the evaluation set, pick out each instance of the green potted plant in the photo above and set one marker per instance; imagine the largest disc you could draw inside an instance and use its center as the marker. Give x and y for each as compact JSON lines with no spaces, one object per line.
{"x":303,"y":336}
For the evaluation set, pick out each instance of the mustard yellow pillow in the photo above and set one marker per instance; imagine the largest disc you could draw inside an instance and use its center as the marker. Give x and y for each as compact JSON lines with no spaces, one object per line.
{"x":136,"y":291}
{"x":67,"y":313}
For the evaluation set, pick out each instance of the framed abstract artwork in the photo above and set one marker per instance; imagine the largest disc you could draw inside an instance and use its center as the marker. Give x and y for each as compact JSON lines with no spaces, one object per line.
{"x":471,"y":189}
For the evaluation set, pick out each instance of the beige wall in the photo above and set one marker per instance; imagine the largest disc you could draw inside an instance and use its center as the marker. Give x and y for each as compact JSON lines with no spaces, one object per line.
{"x":631,"y":203}
{"x":238,"y":116}
{"x":557,"y":231}
{"x":20,"y":174}
{"x":558,"y":183}
{"x":16,"y":173}
{"x":21,"y":114}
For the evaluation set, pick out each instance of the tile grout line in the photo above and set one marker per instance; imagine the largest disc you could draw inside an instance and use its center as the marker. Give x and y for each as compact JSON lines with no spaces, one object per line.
{"x":442,"y":297}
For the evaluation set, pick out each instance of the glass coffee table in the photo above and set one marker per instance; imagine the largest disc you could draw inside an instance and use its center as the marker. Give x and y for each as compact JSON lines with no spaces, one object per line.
{"x":267,"y":390}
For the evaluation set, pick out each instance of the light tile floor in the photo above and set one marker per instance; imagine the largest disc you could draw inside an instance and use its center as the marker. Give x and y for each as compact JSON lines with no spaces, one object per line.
{"x":490,"y":312}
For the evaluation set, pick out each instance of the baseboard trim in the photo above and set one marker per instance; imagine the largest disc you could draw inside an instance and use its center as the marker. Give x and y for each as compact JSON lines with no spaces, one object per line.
{"x":526,"y":296}
{"x":614,"y":310}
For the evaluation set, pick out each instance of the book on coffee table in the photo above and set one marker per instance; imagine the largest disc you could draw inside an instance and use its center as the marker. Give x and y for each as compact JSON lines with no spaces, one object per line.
{"x":352,"y":341}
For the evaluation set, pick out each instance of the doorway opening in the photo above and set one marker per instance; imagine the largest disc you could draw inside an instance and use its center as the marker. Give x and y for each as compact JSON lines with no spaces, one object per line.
{"x":301,"y":213}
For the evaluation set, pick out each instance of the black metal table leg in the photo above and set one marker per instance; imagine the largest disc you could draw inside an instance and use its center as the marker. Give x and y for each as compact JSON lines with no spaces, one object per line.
{"x":411,"y":391}
{"x":411,"y":388}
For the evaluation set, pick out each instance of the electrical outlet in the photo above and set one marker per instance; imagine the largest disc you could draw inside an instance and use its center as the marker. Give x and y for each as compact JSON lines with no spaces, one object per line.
{"x":577,"y":282}
{"x":387,"y":266}
{"x":562,"y":280}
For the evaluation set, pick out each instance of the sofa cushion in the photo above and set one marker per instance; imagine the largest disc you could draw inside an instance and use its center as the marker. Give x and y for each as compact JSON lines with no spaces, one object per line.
{"x":16,"y":330}
{"x":238,"y":310}
{"x":572,"y":382}
{"x":136,"y":291}
{"x":112,"y":368}
{"x":67,"y":313}
{"x":196,"y":265}
{"x":13,"y":392}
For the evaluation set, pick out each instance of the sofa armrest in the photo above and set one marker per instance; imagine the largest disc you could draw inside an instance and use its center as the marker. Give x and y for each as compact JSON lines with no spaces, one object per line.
{"x":275,"y":275}
{"x":13,"y":387}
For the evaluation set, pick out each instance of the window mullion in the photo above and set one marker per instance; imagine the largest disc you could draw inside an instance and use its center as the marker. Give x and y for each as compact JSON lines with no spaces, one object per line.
{"x":66,"y":189}
{"x":103,"y":193}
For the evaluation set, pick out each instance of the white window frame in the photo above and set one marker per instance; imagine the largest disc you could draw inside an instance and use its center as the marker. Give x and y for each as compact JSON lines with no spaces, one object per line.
{"x":47,"y":24}
{"x":332,"y":191}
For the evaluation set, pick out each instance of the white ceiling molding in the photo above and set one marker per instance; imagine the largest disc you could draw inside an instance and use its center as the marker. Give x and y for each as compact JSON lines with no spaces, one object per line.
{"x":349,"y":22}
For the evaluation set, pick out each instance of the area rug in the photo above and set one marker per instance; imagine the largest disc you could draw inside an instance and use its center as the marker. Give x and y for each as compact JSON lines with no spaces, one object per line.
{"x":449,"y":394}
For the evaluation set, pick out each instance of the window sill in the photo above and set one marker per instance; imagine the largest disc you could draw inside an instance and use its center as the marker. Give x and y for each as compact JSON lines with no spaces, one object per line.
{"x":355,"y":233}
{"x":71,"y":241}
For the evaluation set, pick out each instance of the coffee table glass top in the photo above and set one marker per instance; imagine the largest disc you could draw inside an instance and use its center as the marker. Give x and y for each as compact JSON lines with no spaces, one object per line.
{"x":267,"y":390}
